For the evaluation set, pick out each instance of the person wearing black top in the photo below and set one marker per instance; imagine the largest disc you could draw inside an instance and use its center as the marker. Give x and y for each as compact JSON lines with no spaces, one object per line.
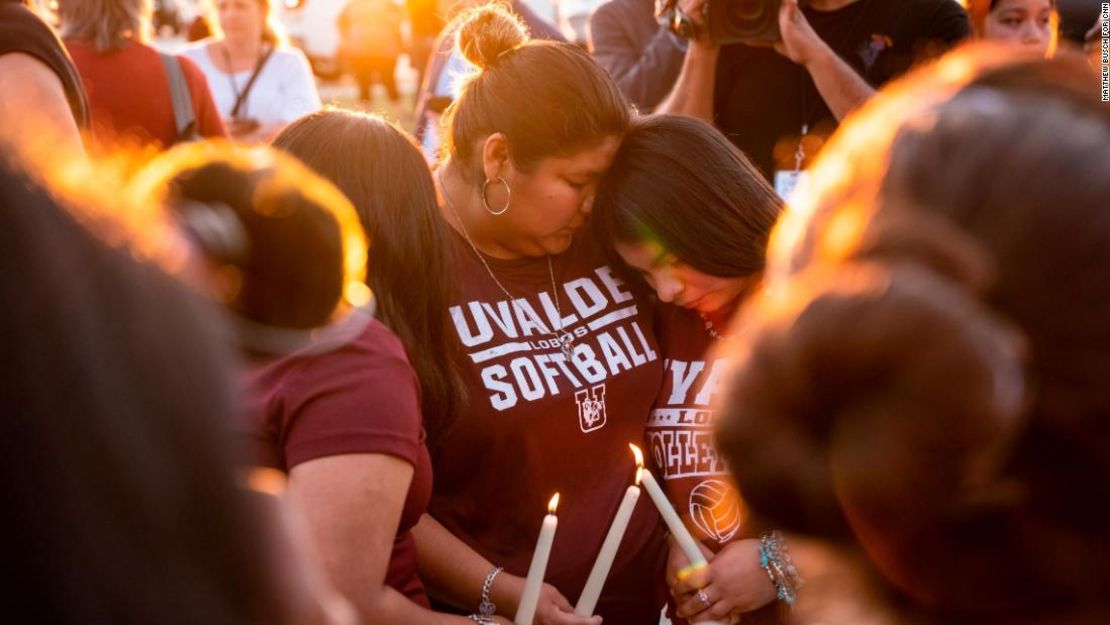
{"x":779,"y":104}
{"x":39,"y":86}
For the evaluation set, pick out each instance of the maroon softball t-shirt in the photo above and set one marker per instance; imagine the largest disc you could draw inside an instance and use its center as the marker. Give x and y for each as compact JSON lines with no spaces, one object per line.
{"x":540,"y":423}
{"x":360,"y":398}
{"x":680,"y":429}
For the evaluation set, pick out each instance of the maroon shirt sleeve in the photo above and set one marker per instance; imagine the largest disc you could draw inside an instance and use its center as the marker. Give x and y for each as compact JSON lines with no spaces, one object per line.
{"x":209,"y":123}
{"x":363,"y":399}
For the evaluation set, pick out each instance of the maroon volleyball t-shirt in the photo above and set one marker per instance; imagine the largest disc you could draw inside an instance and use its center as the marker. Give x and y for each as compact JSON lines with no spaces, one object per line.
{"x":680,"y":429}
{"x":360,"y":398}
{"x":539,"y":422}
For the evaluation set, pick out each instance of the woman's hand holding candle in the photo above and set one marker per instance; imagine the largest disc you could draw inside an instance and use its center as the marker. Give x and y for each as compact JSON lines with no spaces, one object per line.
{"x":554,"y":609}
{"x":734,"y":582}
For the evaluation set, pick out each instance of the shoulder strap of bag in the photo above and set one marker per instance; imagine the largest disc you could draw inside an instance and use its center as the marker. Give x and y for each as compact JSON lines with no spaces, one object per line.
{"x":183,"y":116}
{"x":250,"y":83}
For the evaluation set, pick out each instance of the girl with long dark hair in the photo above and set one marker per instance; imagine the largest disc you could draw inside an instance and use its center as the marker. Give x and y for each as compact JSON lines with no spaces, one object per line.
{"x":697,"y":236}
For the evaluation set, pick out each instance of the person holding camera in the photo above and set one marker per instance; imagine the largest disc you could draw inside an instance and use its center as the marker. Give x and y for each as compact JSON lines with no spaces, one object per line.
{"x":779,"y":102}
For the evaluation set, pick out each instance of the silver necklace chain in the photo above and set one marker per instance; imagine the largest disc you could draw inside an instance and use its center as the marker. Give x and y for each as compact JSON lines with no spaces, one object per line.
{"x":561,"y":338}
{"x":711,"y":329}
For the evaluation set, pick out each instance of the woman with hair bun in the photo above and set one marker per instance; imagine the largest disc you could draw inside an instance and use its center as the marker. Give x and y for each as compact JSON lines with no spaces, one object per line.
{"x":562,"y":364}
{"x":698,"y":238}
{"x":925,"y":385}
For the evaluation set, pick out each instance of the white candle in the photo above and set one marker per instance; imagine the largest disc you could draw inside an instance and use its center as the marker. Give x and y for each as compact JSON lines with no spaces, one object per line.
{"x":587,"y":601}
{"x":526,"y":611}
{"x":678,"y":529}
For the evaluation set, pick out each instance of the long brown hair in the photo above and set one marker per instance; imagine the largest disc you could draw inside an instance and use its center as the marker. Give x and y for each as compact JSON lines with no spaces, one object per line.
{"x":387,"y":179}
{"x":713,"y":210}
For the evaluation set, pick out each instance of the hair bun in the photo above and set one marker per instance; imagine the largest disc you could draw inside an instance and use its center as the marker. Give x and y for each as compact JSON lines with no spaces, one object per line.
{"x":881,"y":404}
{"x":487,"y":32}
{"x":872,"y":359}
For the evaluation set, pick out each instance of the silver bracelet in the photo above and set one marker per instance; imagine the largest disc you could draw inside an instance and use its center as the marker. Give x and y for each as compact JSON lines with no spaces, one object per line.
{"x":485,"y":606}
{"x":774,"y":559}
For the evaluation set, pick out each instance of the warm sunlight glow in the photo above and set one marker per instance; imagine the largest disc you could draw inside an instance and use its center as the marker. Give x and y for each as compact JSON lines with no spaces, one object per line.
{"x":358,"y":294}
{"x":265,"y":480}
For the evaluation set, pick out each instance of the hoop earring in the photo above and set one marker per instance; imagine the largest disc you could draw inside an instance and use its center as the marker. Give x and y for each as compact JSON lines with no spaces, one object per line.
{"x":508,"y":200}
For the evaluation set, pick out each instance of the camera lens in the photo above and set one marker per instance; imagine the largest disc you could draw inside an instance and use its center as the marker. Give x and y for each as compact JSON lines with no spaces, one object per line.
{"x":744,"y":20}
{"x":744,"y":14}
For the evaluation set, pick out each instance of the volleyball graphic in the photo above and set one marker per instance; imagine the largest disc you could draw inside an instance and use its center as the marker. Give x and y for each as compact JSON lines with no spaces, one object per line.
{"x":715,"y":510}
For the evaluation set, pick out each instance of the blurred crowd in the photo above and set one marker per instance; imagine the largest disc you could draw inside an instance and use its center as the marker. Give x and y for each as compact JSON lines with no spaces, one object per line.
{"x":840,"y":267}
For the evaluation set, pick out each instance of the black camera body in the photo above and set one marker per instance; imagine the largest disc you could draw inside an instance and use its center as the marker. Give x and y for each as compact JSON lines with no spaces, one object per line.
{"x":744,"y":21}
{"x":729,"y":21}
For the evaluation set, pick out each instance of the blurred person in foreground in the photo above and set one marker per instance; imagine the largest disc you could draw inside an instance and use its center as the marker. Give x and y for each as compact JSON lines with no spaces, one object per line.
{"x":118,"y":460}
{"x":335,"y":402}
{"x":260,"y":82}
{"x":130,"y":83}
{"x":924,"y":387}
{"x":39,"y":86}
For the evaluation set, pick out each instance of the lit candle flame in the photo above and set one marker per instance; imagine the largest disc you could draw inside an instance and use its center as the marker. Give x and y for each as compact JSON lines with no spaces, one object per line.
{"x":639,"y":455}
{"x":639,"y":475}
{"x":553,"y":504}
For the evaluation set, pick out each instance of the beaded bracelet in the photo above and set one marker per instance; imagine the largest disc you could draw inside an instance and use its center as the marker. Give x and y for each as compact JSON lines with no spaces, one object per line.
{"x":775,"y":560}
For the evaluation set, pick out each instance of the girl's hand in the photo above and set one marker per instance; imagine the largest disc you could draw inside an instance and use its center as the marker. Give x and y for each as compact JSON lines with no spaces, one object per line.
{"x":736,"y":584}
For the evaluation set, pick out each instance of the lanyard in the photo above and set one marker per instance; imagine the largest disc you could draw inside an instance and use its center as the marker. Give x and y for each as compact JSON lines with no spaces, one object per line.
{"x":808,"y":111}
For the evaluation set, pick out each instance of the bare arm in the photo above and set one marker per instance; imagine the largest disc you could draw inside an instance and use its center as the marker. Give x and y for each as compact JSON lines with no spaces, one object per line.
{"x":842,"y":89}
{"x":352,"y":505}
{"x":692,"y":94}
{"x":840,"y":86}
{"x":35,"y":104}
{"x":453,"y":572}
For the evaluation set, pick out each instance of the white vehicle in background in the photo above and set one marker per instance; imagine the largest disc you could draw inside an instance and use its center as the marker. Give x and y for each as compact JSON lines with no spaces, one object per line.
{"x":313,"y":26}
